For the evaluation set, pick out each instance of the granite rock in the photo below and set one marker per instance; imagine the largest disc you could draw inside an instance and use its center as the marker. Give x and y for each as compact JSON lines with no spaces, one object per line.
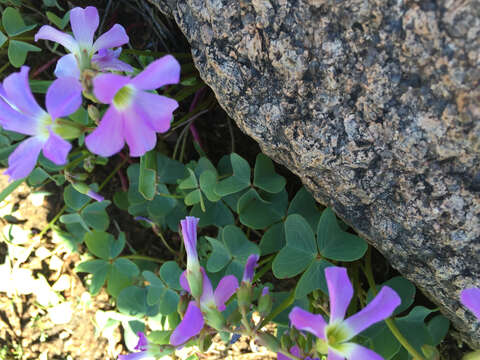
{"x":375,"y":104}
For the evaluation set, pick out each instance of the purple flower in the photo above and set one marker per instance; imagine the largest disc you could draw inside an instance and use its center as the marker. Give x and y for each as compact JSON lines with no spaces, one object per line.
{"x":189,"y":234}
{"x":471,"y":299}
{"x":334,"y":337}
{"x":20,"y":112}
{"x":84,"y":51}
{"x":210,"y":302}
{"x":250,"y":268}
{"x":134,"y":115}
{"x":144,"y":352}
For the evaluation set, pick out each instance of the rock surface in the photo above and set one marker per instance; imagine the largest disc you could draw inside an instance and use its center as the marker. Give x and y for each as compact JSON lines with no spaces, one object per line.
{"x":375,"y":104}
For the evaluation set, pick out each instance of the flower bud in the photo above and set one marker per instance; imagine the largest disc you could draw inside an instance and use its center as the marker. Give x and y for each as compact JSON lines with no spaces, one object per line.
{"x":93,"y":113}
{"x":182,"y":305}
{"x":83,"y":188}
{"x":204,"y":342}
{"x":244,"y":296}
{"x":195,"y":281}
{"x":265,"y":302}
{"x":268,"y":341}
{"x":68,"y":130}
{"x":215,"y":319}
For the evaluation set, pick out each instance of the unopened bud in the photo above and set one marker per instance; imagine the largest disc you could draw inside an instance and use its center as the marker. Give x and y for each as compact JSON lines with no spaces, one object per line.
{"x":244,"y":296}
{"x":83,"y":188}
{"x":182,"y":306}
{"x":215,"y":319}
{"x":68,"y":130}
{"x":265,"y":302}
{"x":204,"y":343}
{"x":268,"y":341}
{"x":93,"y":113}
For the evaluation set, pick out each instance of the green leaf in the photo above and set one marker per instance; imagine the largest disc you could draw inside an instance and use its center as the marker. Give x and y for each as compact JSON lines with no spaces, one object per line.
{"x":148,"y":175}
{"x":265,"y":176}
{"x":133,"y":301}
{"x":414,"y":329}
{"x":157,"y":293}
{"x":68,"y":240}
{"x":300,"y":250}
{"x":169,"y":170}
{"x":160,"y":337}
{"x":74,"y":219}
{"x":10,"y":188}
{"x":40,"y":86}
{"x":57,"y":21}
{"x":312,"y":279}
{"x":304,"y":204}
{"x":239,"y":180}
{"x":190,"y":182}
{"x":404,"y":288}
{"x":95,"y":215}
{"x":98,"y":269}
{"x":384,"y":343}
{"x":18,"y":50}
{"x":208,"y":181}
{"x":52,"y":3}
{"x":193,"y":197}
{"x":438,"y":329}
{"x":336,"y":244}
{"x":219,"y":258}
{"x":173,"y":218}
{"x":73,"y":199}
{"x":215,"y":214}
{"x":3,"y":39}
{"x":37,"y":176}
{"x":121,"y":275}
{"x":161,"y":204}
{"x":237,"y":244}
{"x":273,"y":239}
{"x":117,"y":246}
{"x":120,"y":199}
{"x":258,"y":213}
{"x":13,"y":23}
{"x":170,"y":273}
{"x":99,"y":243}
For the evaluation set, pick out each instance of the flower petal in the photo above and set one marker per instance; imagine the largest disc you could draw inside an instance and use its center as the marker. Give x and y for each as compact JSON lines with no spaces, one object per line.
{"x":56,"y":149}
{"x":184,"y":282}
{"x":22,"y":161}
{"x":116,"y":36}
{"x":139,"y":136}
{"x":471,"y":299}
{"x":18,"y":92}
{"x":157,"y":109}
{"x":12,"y":120}
{"x":107,"y":139}
{"x":67,"y":66}
{"x":224,"y":291}
{"x":340,"y":291}
{"x":354,"y":351}
{"x":163,"y":71}
{"x":333,"y":355}
{"x":47,"y":32}
{"x":189,"y":235}
{"x":303,"y":320}
{"x":84,"y":23}
{"x":250,"y":268}
{"x":63,"y":97}
{"x":380,"y":308}
{"x":190,"y":326}
{"x":107,"y":60}
{"x":141,"y":355}
{"x":142,"y":341}
{"x":105,"y":86}
{"x":207,"y":297}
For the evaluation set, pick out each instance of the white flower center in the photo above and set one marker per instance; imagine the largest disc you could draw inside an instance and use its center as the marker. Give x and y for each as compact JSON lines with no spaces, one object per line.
{"x":123,"y":98}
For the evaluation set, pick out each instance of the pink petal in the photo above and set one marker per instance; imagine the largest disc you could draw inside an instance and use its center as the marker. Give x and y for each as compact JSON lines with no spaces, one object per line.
{"x":184,"y":282}
{"x":63,"y":97}
{"x":12,"y":120}
{"x":67,"y":66}
{"x":56,"y":149}
{"x":139,"y":136}
{"x":354,"y":351}
{"x":303,"y":320}
{"x":114,"y":37}
{"x":142,"y":341}
{"x":471,"y":299}
{"x":163,"y":71}
{"x":18,"y":92}
{"x":141,"y":355}
{"x":107,"y":139}
{"x":224,"y":291}
{"x":207,"y":292}
{"x":340,"y":291}
{"x":380,"y":308}
{"x":105,"y":86}
{"x":190,"y":326}
{"x":250,"y":268}
{"x":158,"y":110}
{"x":107,"y":60}
{"x":47,"y":32}
{"x":84,"y":23}
{"x":22,"y":161}
{"x":333,"y":355}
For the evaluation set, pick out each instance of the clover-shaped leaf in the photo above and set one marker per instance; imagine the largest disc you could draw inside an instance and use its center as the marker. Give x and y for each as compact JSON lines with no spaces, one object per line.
{"x":239,"y":180}
{"x":265,"y":176}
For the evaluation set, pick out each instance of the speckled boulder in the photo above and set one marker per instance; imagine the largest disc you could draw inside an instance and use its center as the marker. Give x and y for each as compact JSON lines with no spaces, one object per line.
{"x":375,"y":104}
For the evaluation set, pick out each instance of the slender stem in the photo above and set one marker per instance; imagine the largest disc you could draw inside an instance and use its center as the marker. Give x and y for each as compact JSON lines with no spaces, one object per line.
{"x":142,"y":257}
{"x":390,"y":321}
{"x":164,"y":241}
{"x":52,"y":222}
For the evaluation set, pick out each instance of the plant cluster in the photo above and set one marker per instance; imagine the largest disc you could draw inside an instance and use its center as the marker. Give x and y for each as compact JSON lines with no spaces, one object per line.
{"x":253,"y":233}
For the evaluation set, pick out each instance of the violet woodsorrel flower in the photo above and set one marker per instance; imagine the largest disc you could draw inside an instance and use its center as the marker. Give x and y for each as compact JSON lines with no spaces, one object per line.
{"x":134,"y":115}
{"x":194,"y":275}
{"x":20,"y":112}
{"x":250,"y":268}
{"x":144,"y":352}
{"x":84,"y":51}
{"x":334,"y":337}
{"x":471,"y":299}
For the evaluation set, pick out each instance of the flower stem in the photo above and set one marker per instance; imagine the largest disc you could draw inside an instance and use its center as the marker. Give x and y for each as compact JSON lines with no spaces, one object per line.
{"x":142,"y":257}
{"x":390,"y":321}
